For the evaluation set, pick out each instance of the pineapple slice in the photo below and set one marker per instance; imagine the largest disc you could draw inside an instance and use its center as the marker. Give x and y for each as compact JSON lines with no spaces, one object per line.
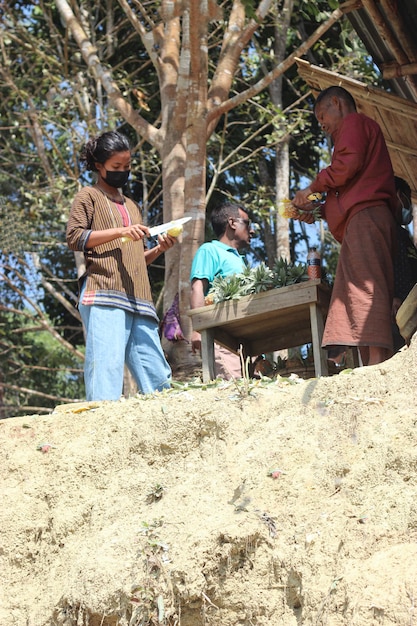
{"x":175,"y":231}
{"x":315,"y":197}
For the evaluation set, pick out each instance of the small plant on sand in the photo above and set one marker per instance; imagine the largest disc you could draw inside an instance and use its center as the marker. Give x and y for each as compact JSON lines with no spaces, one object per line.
{"x":246,"y":385}
{"x":155,"y":494}
{"x":149,"y":596}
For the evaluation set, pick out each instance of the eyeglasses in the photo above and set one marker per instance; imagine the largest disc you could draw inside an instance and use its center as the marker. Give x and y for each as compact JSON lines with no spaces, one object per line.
{"x":241,"y":219}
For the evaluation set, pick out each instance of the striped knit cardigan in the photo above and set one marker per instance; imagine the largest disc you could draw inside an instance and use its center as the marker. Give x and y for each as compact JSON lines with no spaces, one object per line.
{"x":116,"y":272}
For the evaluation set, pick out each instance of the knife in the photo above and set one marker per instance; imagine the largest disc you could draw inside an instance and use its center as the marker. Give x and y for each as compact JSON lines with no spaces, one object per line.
{"x":162,"y":228}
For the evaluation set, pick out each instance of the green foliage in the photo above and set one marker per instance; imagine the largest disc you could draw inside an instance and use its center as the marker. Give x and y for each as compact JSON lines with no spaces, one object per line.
{"x":286,"y":273}
{"x":249,"y":8}
{"x":256,"y":280}
{"x":227,"y":288}
{"x":37,"y":371}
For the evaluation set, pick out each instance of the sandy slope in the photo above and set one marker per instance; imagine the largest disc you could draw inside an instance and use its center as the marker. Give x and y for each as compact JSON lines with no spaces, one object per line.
{"x":294,"y":505}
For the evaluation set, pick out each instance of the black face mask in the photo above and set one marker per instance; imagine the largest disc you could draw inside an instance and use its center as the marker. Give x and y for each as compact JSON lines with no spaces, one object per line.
{"x":116,"y":179}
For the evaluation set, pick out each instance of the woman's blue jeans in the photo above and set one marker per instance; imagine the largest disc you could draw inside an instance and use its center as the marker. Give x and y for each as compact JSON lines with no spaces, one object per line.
{"x":116,"y":337}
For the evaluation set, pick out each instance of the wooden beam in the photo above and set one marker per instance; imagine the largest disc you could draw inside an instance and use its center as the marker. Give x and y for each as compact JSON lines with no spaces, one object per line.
{"x":400,"y":28}
{"x":351,"y":5}
{"x":401,"y":149}
{"x":381,"y":23}
{"x":319,"y":78}
{"x":384,"y":30}
{"x":395,"y":70}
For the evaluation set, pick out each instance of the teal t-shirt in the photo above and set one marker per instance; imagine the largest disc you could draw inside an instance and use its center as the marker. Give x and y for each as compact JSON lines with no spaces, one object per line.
{"x":215,"y":258}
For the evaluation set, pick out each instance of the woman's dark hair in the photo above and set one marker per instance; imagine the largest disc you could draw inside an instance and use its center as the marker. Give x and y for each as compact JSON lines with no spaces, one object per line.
{"x":100,"y":149}
{"x":220,"y":216}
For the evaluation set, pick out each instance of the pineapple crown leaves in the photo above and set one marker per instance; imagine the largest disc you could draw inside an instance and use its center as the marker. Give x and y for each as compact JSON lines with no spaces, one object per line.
{"x":226,"y":288}
{"x":259,"y":279}
{"x":286,"y":273}
{"x":256,"y":280}
{"x":289,"y":211}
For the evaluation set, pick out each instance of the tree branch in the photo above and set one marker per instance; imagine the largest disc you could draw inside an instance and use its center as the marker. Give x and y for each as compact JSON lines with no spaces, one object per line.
{"x":97,"y":70}
{"x":277,"y":71}
{"x":51,"y":289}
{"x":33,"y":392}
{"x":42,"y":317}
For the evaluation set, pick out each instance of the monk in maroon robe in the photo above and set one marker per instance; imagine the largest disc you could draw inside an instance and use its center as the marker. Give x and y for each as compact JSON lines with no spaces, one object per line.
{"x":359,"y":209}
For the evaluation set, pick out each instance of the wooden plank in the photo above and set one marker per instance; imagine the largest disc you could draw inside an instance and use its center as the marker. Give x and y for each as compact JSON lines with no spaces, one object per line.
{"x":406,"y":317}
{"x":319,"y":78}
{"x":227,"y":340}
{"x":207,"y":355}
{"x":268,"y":324}
{"x":282,"y":341}
{"x":267,"y":342}
{"x":317,"y":328}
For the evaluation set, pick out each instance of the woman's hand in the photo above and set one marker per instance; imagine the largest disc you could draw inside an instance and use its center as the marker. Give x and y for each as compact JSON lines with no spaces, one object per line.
{"x":135,"y":232}
{"x":165,"y":242}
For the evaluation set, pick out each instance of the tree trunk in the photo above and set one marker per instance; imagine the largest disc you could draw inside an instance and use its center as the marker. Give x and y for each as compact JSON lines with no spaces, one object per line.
{"x":282,"y":170}
{"x":193,"y":180}
{"x":282,"y":174}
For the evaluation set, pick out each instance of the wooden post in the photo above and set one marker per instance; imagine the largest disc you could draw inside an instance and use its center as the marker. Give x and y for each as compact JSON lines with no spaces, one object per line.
{"x":317,"y":328}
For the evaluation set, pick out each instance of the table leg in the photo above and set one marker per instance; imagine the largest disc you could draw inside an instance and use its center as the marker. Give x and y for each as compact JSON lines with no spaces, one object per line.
{"x":317,"y":328}
{"x":207,"y":354}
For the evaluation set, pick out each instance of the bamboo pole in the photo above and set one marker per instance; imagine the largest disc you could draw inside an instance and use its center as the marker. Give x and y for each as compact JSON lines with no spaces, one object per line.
{"x":387,"y":35}
{"x":395,"y":70}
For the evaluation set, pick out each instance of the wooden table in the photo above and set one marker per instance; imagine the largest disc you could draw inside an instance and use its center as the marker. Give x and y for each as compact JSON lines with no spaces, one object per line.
{"x":273,"y":320}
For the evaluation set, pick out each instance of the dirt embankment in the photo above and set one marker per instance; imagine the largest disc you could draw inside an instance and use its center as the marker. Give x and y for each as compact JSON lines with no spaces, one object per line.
{"x":282,"y":504}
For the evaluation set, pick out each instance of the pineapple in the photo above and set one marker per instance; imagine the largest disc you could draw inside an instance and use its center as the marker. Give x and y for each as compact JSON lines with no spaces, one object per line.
{"x":255,"y":280}
{"x":288,"y":210}
{"x":259,"y":279}
{"x":175,"y":231}
{"x":226,"y":288}
{"x":286,"y":273}
{"x":315,"y":197}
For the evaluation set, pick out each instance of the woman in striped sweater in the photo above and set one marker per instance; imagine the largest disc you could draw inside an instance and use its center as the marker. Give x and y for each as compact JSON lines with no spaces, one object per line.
{"x":115,"y":301}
